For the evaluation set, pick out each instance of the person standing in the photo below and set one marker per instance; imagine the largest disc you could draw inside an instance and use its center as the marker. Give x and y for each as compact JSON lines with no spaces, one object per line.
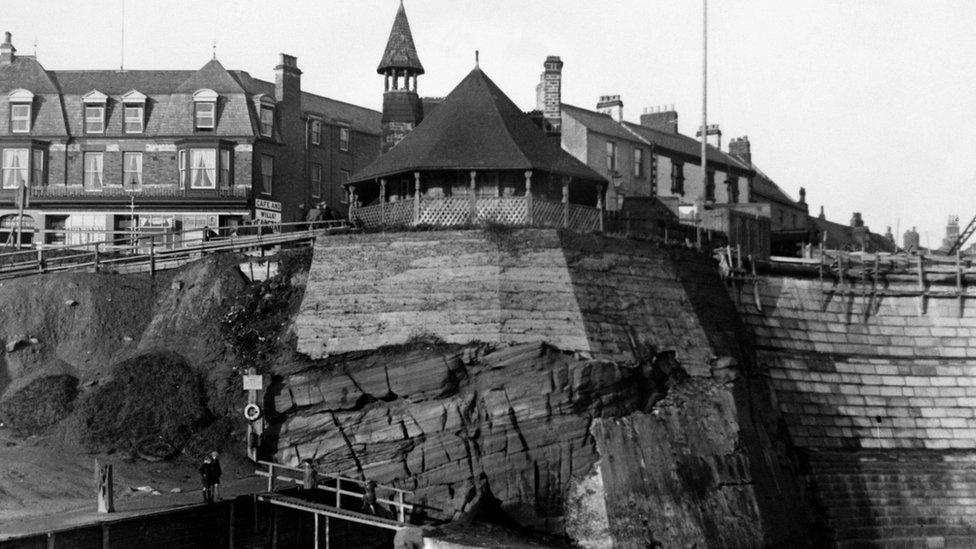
{"x":215,"y":476}
{"x":206,"y":476}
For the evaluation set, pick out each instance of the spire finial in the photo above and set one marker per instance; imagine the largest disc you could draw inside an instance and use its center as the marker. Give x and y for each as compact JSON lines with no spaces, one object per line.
{"x":215,"y":48}
{"x":477,"y":63}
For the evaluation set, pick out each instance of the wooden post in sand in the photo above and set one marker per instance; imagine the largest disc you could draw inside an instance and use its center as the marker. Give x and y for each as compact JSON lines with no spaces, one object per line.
{"x":106,"y":488}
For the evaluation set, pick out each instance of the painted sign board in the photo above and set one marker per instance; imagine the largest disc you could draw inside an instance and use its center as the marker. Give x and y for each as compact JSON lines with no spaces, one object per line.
{"x":253,"y":382}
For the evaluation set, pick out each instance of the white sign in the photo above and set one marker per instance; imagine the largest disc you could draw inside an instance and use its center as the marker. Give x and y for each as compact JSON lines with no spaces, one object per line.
{"x":253,"y":382}
{"x":261,"y":204}
{"x":264,"y":216}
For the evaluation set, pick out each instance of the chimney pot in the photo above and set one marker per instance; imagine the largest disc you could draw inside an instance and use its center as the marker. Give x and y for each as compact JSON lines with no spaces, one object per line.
{"x":7,"y":50}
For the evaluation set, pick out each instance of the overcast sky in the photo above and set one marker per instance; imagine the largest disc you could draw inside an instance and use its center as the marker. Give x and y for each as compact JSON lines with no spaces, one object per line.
{"x":868,"y":104}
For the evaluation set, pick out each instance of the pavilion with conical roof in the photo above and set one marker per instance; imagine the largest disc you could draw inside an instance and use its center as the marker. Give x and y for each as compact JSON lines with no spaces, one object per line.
{"x":478,"y":158}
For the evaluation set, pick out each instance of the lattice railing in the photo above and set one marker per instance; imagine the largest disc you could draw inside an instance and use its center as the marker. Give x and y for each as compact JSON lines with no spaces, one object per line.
{"x":370,"y":216}
{"x":445,"y":212}
{"x":584,"y":219}
{"x":547,"y":213}
{"x":399,"y":213}
{"x":509,"y":210}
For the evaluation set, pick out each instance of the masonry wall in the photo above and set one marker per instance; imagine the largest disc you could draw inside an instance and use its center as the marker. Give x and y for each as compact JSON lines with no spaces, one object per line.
{"x":595,"y":295}
{"x":881,"y":394}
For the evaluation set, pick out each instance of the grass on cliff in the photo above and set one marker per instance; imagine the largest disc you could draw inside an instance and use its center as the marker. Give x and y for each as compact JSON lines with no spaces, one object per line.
{"x":41,"y":404}
{"x":154,"y":396}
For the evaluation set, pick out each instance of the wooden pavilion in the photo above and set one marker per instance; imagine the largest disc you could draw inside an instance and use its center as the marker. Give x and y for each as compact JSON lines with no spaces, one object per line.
{"x":478,"y":158}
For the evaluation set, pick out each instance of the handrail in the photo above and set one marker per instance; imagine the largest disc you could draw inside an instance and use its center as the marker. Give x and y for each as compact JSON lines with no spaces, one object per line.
{"x":398,"y":503}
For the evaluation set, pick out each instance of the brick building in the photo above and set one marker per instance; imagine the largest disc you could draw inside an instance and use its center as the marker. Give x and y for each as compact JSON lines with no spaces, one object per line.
{"x":104,"y":152}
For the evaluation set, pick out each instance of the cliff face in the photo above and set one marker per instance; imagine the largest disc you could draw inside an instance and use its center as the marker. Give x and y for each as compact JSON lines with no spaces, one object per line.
{"x":603,"y":436}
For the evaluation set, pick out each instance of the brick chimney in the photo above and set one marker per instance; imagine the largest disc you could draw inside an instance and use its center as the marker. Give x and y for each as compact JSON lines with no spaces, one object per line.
{"x":288,"y":80}
{"x":663,"y":118}
{"x":857,"y":220}
{"x":548,"y":94}
{"x":611,"y":105}
{"x":7,"y":50}
{"x":739,"y":147}
{"x":803,"y":195}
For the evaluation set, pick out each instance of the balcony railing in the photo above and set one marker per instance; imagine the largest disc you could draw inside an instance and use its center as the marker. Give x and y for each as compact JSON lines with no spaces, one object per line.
{"x":147,"y":191}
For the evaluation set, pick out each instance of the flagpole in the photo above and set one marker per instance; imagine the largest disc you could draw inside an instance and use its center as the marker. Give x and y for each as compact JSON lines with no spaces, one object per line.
{"x":704,"y":125}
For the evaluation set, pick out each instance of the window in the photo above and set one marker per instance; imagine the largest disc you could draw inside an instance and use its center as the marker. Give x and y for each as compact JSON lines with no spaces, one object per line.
{"x":225,"y":168}
{"x":20,"y":115}
{"x":344,"y":175}
{"x":56,"y":223}
{"x":182,"y":168}
{"x":267,"y":173}
{"x":315,"y":174}
{"x":134,"y":117}
{"x":677,"y":178}
{"x":132,"y":169}
{"x":316,"y":136}
{"x":611,"y":156}
{"x":267,"y":120}
{"x":205,"y":114}
{"x":203,"y":168}
{"x":14,"y":168}
{"x":93,"y":171}
{"x":37,"y":167}
{"x":94,"y":118}
{"x":710,"y":186}
{"x":733,"y":188}
{"x":638,"y":162}
{"x":343,"y":139}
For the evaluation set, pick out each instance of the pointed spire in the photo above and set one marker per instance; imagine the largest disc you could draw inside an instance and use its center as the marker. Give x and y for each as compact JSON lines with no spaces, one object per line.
{"x":400,"y":52}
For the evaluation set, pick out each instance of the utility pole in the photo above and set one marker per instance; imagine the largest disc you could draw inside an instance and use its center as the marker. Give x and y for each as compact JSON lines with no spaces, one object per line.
{"x":704,"y":124}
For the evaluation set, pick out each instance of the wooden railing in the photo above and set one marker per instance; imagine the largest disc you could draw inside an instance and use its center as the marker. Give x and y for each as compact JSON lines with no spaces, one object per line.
{"x":159,"y":250}
{"x":309,"y":477}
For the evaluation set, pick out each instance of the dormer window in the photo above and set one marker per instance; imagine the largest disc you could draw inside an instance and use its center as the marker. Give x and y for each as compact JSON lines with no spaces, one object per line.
{"x":135,"y":111}
{"x":94,"y":111}
{"x":266,"y":108}
{"x":205,"y":109}
{"x":21,"y":102}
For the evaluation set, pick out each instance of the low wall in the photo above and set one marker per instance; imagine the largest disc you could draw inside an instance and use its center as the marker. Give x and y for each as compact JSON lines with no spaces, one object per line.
{"x":881,"y":394}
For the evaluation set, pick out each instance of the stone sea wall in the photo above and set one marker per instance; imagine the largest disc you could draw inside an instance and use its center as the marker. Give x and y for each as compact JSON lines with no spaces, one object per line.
{"x":880,"y":393}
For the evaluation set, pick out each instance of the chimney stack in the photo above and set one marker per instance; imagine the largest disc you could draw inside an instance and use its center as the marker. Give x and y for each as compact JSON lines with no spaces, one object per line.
{"x":712,"y":131}
{"x":739,"y":147}
{"x":288,"y":80}
{"x":548,"y":95}
{"x":611,"y":105}
{"x":7,"y":50}
{"x":662,"y":118}
{"x":803,"y":195}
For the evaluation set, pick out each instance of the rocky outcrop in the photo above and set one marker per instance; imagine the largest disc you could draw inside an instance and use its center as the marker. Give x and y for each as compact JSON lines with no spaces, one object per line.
{"x":608,"y":439}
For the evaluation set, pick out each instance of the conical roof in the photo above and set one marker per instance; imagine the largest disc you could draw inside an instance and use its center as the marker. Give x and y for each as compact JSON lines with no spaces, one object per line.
{"x":400,"y":52}
{"x":477,"y":127}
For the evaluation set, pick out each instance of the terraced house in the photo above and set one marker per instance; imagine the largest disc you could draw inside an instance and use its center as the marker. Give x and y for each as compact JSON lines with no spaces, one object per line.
{"x":96,"y":153}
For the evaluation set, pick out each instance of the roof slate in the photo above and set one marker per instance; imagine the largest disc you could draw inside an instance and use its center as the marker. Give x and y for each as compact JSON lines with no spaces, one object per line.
{"x":477,"y":127}
{"x":400,"y":52}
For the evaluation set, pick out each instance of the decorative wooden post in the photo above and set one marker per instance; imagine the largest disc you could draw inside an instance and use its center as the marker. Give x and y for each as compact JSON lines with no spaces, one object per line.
{"x":566,"y":202}
{"x":599,"y":204}
{"x":309,"y":475}
{"x":152,"y":257}
{"x":528,"y":197}
{"x":473,"y":199}
{"x":382,"y":202}
{"x":416,"y":197}
{"x":106,"y":489}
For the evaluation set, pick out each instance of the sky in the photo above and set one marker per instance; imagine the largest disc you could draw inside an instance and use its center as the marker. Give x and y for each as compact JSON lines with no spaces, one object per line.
{"x":868,"y":104}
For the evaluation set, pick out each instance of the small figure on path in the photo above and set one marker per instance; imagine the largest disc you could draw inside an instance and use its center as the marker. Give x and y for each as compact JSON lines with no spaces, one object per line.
{"x":210,"y":476}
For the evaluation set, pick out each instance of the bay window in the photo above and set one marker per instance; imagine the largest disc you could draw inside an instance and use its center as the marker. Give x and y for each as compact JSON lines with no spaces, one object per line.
{"x":225,"y":168}
{"x":203,"y":168}
{"x":15,"y":168}
{"x":37,"y":167}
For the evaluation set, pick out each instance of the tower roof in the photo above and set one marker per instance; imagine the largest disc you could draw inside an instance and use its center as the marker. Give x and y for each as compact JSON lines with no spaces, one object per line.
{"x":400,"y":52}
{"x":477,"y":127}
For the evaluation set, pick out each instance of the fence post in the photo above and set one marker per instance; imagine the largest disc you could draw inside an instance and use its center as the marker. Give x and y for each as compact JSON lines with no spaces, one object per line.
{"x":96,"y":256}
{"x":338,"y":492}
{"x":152,"y":257}
{"x":401,"y":512}
{"x":473,"y":199}
{"x":565,"y":202}
{"x":40,"y":260}
{"x":599,"y":204}
{"x":271,"y":474}
{"x":528,"y":197}
{"x":416,"y":197}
